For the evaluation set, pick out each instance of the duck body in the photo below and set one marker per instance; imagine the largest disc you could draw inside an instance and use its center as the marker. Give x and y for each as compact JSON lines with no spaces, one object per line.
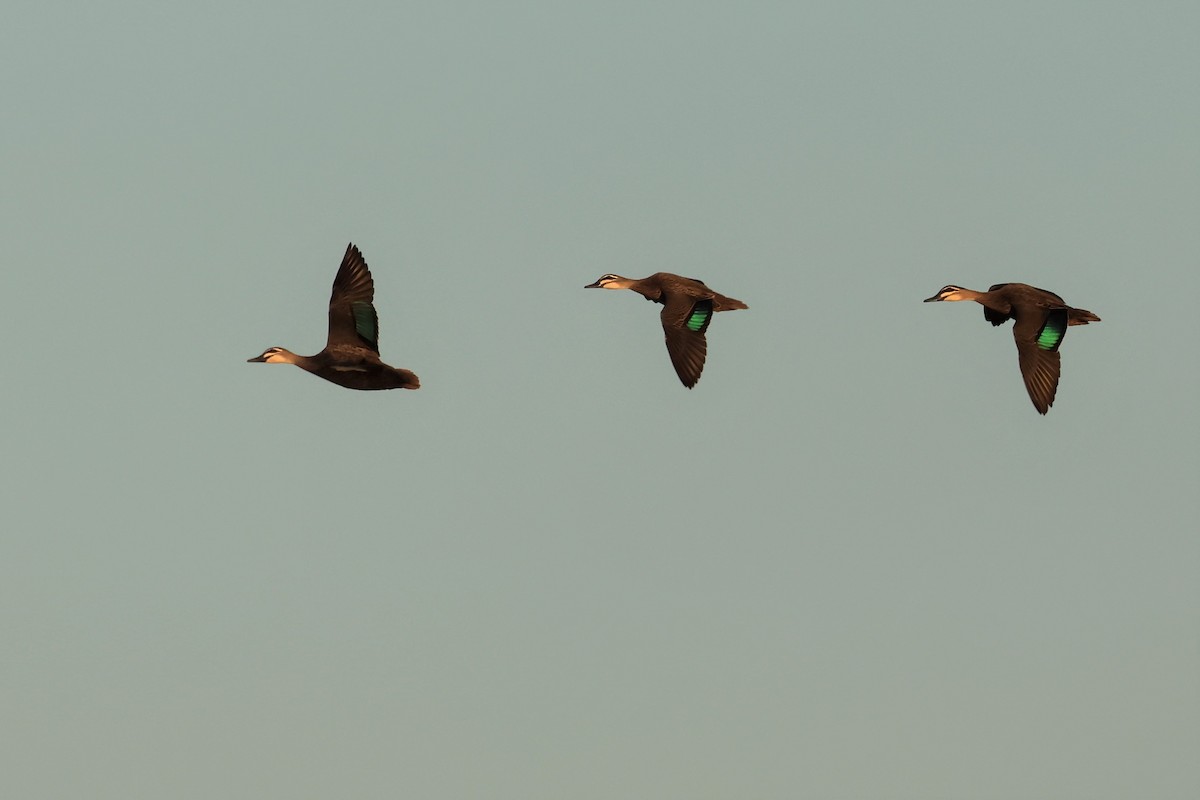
{"x":349,"y":368}
{"x":351,"y":354}
{"x":688,"y":306}
{"x":1040,"y":322}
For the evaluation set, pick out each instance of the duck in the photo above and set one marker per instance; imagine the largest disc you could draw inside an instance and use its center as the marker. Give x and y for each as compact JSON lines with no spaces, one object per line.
{"x":688,"y":306}
{"x":1040,"y":322}
{"x":351,"y":354}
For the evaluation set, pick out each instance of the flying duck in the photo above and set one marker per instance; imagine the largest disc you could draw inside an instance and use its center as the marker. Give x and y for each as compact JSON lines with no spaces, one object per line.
{"x":351,"y":354}
{"x":688,"y":307}
{"x":1041,"y":319}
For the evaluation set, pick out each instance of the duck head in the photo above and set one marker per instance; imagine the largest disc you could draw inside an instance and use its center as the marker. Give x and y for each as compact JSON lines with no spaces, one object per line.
{"x":274,"y":355}
{"x":610,"y":281}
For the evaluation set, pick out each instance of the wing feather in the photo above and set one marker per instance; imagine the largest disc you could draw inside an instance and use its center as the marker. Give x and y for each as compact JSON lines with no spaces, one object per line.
{"x":1038,"y":335}
{"x":684,"y":321}
{"x":353,"y":322}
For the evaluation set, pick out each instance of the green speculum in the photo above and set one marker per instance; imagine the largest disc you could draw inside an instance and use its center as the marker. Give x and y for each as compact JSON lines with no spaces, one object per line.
{"x":364,"y":320}
{"x":1049,"y":338}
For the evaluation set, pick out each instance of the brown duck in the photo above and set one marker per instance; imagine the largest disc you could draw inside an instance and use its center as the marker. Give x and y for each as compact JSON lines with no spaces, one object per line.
{"x":1040,"y":322}
{"x":688,"y":307}
{"x":351,"y":354}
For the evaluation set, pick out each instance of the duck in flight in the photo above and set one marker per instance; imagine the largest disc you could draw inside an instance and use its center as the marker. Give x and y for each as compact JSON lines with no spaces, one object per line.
{"x":1040,"y":322}
{"x":688,"y":307}
{"x":351,"y":354}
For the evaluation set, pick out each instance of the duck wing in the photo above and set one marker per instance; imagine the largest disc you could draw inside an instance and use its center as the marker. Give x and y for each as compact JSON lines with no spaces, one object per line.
{"x":1039,"y":333}
{"x":353,"y":322}
{"x":684,"y":321}
{"x":994,"y":315}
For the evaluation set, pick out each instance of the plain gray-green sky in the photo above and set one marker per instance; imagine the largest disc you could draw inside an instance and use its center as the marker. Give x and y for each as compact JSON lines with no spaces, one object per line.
{"x":854,"y":562}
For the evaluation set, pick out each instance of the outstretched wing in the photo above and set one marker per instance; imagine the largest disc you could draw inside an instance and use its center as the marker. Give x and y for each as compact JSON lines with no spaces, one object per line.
{"x":684,"y":321}
{"x":1038,"y":337}
{"x":352,"y":318}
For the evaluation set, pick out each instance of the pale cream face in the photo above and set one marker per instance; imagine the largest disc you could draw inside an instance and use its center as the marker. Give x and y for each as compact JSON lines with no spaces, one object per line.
{"x":614,"y":282}
{"x":275,"y":355}
{"x":951,"y":293}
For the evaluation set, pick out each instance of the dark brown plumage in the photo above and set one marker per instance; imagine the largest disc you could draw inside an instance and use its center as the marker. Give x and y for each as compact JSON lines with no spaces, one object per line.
{"x":688,"y":306}
{"x":1040,"y":322}
{"x":351,"y":354}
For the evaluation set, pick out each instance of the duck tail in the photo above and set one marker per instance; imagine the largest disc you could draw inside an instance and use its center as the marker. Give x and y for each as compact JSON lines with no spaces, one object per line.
{"x":1078,"y":316}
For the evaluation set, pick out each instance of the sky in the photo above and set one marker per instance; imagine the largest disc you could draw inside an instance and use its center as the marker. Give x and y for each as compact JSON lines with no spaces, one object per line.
{"x":853,"y":562}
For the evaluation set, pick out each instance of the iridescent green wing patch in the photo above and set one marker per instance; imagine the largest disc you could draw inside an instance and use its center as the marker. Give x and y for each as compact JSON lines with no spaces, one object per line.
{"x":699,"y":316}
{"x":1053,"y":330}
{"x":366,"y":324}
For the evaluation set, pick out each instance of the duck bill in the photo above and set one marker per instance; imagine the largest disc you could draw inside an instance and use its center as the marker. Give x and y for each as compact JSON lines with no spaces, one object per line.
{"x":262,"y":358}
{"x":595,"y":285}
{"x":937,"y":298}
